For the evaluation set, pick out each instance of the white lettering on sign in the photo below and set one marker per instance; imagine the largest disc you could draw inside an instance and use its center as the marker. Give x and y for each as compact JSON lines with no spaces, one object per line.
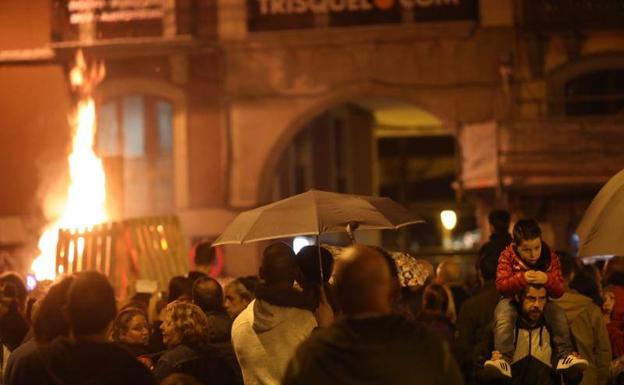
{"x":89,"y":11}
{"x":409,"y":4}
{"x":287,"y":7}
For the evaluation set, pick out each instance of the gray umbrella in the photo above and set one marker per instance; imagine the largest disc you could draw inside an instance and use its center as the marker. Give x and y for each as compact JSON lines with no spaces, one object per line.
{"x":315,"y":213}
{"x":601,"y":230}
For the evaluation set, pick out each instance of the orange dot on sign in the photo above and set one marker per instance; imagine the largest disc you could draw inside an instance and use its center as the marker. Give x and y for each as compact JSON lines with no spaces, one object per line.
{"x":384,"y":4}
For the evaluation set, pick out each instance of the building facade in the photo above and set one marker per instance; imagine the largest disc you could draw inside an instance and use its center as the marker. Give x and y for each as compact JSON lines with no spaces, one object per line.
{"x":212,"y":107}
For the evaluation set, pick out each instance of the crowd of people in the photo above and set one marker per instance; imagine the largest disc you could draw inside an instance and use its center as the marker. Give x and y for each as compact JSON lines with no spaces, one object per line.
{"x":534,"y":316}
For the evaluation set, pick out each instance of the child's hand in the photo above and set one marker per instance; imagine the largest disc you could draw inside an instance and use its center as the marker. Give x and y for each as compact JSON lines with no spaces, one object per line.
{"x":536,"y":277}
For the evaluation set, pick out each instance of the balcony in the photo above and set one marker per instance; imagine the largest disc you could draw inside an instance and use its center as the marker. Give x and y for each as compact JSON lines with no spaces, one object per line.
{"x":551,"y":153}
{"x":558,"y":15}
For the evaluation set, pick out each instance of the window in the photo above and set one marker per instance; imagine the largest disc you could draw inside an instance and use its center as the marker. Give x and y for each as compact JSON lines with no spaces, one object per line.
{"x":135,"y":140}
{"x":595,"y":93}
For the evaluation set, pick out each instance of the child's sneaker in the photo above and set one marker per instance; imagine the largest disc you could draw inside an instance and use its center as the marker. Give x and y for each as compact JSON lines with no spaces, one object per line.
{"x":572,"y":363}
{"x":497,"y":369}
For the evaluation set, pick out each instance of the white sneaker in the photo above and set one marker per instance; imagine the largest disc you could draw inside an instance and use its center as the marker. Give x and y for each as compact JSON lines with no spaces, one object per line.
{"x":499,"y":369}
{"x":572,"y":362}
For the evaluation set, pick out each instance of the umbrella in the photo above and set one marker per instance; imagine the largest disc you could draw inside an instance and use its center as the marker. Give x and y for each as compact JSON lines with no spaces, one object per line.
{"x":601,"y":231}
{"x":315,"y":213}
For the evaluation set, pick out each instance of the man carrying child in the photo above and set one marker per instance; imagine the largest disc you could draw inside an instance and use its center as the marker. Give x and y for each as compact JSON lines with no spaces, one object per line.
{"x":529,"y":261}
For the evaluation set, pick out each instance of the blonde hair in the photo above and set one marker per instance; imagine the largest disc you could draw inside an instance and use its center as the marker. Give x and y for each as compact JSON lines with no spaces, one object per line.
{"x":189,"y":323}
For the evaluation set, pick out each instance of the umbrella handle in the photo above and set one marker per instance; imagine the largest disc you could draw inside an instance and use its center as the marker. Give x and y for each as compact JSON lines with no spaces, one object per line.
{"x":351,"y":227}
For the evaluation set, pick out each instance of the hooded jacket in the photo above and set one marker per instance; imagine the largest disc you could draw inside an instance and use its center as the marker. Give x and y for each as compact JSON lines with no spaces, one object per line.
{"x":265,"y":337}
{"x":532,"y":362}
{"x":510,"y":278}
{"x":67,"y":362}
{"x":590,"y":334}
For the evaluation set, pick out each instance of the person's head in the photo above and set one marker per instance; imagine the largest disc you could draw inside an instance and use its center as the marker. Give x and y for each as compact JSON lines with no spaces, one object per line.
{"x":15,"y":279}
{"x":487,"y":263}
{"x":205,"y":257}
{"x":614,"y":271}
{"x":448,"y":273}
{"x":131,"y":327}
{"x":308,"y":261}
{"x":499,"y":220}
{"x":278,"y":266}
{"x":584,"y":281}
{"x":532,"y":301}
{"x":363,"y":281}
{"x":208,"y":294}
{"x":49,"y":320}
{"x":91,"y":304}
{"x":237,"y":296}
{"x":527,"y":237}
{"x":180,"y":288}
{"x":435,"y":299}
{"x":194,"y":275}
{"x":184,"y":323}
{"x":569,"y":266}
{"x":608,"y":300}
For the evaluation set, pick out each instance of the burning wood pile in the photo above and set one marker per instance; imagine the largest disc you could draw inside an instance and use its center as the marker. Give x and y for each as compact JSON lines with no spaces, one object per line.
{"x":150,"y":248}
{"x":80,"y":235}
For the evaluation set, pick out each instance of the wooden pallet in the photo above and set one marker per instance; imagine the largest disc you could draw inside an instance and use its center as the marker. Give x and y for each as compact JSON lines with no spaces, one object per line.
{"x":140,"y":248}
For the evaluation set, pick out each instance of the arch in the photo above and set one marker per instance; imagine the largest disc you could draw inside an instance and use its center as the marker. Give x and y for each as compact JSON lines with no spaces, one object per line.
{"x":329,"y":101}
{"x":114,"y":88}
{"x":557,"y":78}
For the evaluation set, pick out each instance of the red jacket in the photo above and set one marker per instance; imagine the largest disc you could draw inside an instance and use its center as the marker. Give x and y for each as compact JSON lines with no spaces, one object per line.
{"x":510,"y":272}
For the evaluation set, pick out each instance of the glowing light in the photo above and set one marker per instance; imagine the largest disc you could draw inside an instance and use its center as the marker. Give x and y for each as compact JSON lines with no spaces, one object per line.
{"x":299,"y":243}
{"x":31,"y":282}
{"x":85,"y":202}
{"x":449,"y":219}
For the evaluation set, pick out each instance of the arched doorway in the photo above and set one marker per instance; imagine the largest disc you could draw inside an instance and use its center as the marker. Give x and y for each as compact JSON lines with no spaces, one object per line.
{"x":387,"y":147}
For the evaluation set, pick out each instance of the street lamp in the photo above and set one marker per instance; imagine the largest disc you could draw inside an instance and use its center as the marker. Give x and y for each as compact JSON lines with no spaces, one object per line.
{"x":449,"y":219}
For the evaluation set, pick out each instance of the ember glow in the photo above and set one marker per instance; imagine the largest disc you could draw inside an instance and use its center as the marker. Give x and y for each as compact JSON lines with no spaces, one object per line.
{"x":85,"y":202}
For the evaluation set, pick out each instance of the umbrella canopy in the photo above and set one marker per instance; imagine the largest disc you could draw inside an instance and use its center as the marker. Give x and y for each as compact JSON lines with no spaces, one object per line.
{"x":601,"y":231}
{"x":314,"y":213}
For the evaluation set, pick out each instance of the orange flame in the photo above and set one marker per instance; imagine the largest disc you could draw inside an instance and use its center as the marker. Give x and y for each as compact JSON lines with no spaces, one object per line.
{"x":85,"y":202}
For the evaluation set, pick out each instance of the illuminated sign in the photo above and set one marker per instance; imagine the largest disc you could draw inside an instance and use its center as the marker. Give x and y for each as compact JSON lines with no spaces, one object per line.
{"x":107,"y":11}
{"x":301,"y":14}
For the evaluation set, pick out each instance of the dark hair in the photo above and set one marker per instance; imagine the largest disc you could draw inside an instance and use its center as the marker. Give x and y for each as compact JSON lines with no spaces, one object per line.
{"x":278,"y":264}
{"x":499,"y":220}
{"x":569,"y":264}
{"x":194,"y":275}
{"x":524,"y":292}
{"x":50,"y":321}
{"x":123,"y":319}
{"x":205,"y":254}
{"x":435,"y":298}
{"x":614,"y":271}
{"x":179,"y":286}
{"x":525,"y":230}
{"x":17,"y":281}
{"x":250,"y":282}
{"x":308,"y":260}
{"x":585,"y":283}
{"x":91,"y":303}
{"x":487,"y":263}
{"x":208,"y":294}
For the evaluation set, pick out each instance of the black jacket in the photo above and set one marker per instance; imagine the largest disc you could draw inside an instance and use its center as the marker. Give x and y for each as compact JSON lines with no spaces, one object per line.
{"x":206,"y":364}
{"x":386,"y":350}
{"x":474,"y":326}
{"x":67,"y":362}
